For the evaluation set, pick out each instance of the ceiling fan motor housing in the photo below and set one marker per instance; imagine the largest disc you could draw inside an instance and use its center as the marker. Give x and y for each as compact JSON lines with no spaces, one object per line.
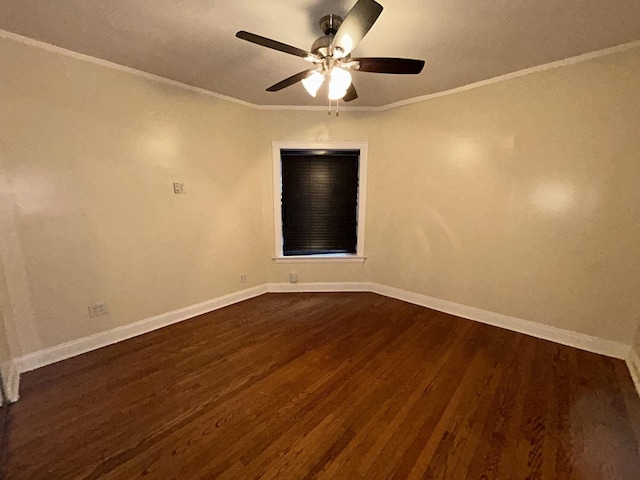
{"x":322,"y":45}
{"x":329,"y":24}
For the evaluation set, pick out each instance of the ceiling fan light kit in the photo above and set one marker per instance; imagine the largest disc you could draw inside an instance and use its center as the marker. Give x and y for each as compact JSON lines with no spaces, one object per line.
{"x":331,"y":54}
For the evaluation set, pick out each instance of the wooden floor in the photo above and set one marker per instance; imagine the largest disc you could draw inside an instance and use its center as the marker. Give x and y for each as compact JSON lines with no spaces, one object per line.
{"x":331,"y":386}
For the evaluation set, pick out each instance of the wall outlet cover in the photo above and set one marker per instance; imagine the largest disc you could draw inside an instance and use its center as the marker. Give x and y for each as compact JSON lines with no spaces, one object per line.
{"x":97,"y":309}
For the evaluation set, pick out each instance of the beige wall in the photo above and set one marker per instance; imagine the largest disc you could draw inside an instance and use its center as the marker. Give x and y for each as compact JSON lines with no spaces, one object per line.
{"x":89,"y":156}
{"x":519,"y":198}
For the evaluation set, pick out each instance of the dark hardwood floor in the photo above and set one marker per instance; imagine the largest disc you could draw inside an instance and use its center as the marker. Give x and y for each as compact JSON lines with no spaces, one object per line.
{"x":331,"y":386}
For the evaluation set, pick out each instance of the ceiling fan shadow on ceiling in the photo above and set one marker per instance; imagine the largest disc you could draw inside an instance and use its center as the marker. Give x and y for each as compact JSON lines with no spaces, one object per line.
{"x":331,"y":57}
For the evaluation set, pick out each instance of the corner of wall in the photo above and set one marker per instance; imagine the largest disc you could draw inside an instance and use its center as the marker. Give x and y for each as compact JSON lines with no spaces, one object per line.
{"x":633,"y":362}
{"x":11,"y":380}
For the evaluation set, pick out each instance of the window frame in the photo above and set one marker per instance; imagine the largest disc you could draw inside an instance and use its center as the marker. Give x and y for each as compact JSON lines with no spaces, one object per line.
{"x":359,"y":256}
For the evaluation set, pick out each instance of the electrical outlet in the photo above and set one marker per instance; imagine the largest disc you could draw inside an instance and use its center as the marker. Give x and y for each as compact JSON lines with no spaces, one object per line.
{"x":243,"y":279}
{"x":178,"y":188}
{"x":97,"y":309}
{"x":293,"y":278}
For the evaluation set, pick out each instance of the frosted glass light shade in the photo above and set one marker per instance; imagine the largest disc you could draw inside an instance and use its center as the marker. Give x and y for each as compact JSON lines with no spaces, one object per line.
{"x":312,"y":83}
{"x":339,"y":83}
{"x":340,"y":78}
{"x":336,"y":93}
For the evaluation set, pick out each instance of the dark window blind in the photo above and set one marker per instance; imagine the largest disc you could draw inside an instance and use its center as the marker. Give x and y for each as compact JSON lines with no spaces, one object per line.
{"x":319,"y":202}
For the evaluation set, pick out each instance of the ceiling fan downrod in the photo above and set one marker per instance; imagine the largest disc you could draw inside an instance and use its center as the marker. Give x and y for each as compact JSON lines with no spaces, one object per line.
{"x":329,"y":24}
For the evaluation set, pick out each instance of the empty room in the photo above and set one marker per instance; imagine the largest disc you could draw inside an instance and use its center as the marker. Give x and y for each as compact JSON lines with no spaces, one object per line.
{"x":320,"y":239}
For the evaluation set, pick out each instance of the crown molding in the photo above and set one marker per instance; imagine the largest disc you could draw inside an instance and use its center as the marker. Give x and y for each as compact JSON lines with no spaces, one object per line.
{"x":520,"y":73}
{"x":157,"y":78}
{"x":314,"y":108}
{"x":116,"y":66}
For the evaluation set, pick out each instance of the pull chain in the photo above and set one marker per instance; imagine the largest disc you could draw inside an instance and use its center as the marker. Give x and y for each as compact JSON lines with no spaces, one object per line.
{"x":331,"y":108}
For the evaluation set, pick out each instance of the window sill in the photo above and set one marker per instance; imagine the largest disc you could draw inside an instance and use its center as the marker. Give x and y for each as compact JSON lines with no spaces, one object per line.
{"x":335,"y":258}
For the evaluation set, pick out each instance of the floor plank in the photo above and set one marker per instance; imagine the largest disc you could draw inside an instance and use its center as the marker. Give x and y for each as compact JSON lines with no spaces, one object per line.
{"x":326,"y":386}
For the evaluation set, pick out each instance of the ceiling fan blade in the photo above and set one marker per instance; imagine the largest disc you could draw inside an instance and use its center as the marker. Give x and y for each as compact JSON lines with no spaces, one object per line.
{"x":355,"y":25}
{"x":403,"y":66}
{"x":351,"y":94}
{"x":275,"y":45}
{"x":287,"y":82}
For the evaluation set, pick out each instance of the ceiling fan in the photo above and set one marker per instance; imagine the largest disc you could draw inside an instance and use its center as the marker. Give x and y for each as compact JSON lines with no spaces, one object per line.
{"x":331,"y":54}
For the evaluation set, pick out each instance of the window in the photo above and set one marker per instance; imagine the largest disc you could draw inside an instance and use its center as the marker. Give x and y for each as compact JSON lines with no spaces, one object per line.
{"x":319,"y":201}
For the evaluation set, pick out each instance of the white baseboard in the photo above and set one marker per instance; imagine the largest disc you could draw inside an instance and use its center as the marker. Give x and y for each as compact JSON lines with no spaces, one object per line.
{"x":565,"y":337}
{"x":11,"y":380}
{"x":633,"y":362}
{"x":319,"y":287}
{"x":582,"y":341}
{"x":70,"y":349}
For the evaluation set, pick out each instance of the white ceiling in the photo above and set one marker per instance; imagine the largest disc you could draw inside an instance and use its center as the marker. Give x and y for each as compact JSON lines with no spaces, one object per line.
{"x":193,"y":41}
